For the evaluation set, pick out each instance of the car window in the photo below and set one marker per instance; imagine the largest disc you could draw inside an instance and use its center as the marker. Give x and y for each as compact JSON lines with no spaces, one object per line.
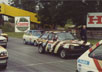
{"x":45,"y":35}
{"x":65,"y":36}
{"x":28,"y":32}
{"x":50,"y":36}
{"x":97,"y":53}
{"x":37,"y":33}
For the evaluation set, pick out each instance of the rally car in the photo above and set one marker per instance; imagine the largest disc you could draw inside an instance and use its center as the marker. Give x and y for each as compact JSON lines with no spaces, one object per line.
{"x":3,"y":41}
{"x":31,"y":36}
{"x":62,"y":43}
{"x":3,"y":57}
{"x":3,"y":34}
{"x":91,"y":60}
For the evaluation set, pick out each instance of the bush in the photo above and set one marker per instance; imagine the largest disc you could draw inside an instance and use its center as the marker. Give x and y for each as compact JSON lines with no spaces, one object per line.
{"x":7,"y":27}
{"x":15,"y":34}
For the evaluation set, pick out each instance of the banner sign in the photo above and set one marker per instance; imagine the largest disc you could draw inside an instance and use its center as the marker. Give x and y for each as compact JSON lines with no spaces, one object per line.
{"x":94,"y":20}
{"x":22,"y":24}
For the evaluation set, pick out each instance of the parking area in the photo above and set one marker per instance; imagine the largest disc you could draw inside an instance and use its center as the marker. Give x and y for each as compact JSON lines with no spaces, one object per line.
{"x":25,"y":58}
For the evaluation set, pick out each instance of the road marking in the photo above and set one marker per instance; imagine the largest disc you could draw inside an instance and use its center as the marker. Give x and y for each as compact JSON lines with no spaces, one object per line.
{"x":39,"y":64}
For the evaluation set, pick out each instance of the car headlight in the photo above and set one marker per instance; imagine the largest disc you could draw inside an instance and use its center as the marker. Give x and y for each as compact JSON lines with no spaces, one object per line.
{"x":3,"y":54}
{"x":66,"y":46}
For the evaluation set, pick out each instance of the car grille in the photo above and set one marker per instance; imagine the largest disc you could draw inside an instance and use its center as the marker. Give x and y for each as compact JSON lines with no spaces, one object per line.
{"x":78,"y":50}
{"x":1,"y":40}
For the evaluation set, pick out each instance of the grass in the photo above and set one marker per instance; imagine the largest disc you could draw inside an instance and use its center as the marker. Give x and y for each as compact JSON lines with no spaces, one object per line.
{"x":93,"y":41}
{"x":19,"y":35}
{"x":16,"y":35}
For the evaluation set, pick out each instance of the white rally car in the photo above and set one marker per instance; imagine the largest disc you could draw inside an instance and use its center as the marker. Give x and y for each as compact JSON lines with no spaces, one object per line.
{"x":3,"y":34}
{"x":31,"y":36}
{"x":91,"y":60}
{"x":62,"y":43}
{"x":3,"y":57}
{"x":3,"y":41}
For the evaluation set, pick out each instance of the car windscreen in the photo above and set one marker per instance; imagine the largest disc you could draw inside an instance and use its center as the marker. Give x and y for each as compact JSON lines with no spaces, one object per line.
{"x":37,"y":33}
{"x":97,"y":53}
{"x":45,"y":35}
{"x":65,"y":36}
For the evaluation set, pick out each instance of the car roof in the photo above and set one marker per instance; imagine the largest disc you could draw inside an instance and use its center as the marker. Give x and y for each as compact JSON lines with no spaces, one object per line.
{"x":35,"y":30}
{"x":54,"y":31}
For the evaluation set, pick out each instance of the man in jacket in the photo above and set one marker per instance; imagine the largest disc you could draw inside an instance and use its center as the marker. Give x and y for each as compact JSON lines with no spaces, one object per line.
{"x":83,"y":33}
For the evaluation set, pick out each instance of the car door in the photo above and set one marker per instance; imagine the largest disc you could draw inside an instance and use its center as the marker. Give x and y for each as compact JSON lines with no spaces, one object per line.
{"x":25,"y":36}
{"x":28,"y":36}
{"x":43,"y":39}
{"x":35,"y":35}
{"x":96,"y":56}
{"x":32,"y":36}
{"x":51,"y":42}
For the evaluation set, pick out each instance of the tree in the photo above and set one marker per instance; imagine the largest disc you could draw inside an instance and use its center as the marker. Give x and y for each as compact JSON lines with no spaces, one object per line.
{"x":28,"y":5}
{"x":57,"y":12}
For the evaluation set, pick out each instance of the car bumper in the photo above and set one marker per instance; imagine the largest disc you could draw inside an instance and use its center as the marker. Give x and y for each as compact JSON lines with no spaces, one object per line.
{"x":76,"y":52}
{"x":3,"y":43}
{"x":3,"y":61}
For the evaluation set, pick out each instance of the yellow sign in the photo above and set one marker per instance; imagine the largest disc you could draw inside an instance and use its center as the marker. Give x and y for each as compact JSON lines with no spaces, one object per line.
{"x":13,"y":11}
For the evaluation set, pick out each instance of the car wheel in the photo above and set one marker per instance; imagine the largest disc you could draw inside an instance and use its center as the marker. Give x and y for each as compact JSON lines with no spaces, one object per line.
{"x":24,"y":41}
{"x":41,"y":49}
{"x":35,"y":43}
{"x":5,"y":46}
{"x":5,"y":66}
{"x":63,"y":54}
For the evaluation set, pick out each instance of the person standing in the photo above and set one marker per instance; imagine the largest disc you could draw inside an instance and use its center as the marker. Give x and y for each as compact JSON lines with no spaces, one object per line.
{"x":83,"y":33}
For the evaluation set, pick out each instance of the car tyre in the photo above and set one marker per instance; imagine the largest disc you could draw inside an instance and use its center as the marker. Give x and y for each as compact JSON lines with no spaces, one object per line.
{"x":35,"y":43}
{"x":5,"y":66}
{"x":5,"y":46}
{"x":24,"y":41}
{"x":63,"y":54}
{"x":41,"y":49}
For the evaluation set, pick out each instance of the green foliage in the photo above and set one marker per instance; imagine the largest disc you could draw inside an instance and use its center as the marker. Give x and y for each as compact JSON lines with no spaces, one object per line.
{"x":93,"y":41}
{"x":57,"y":12}
{"x":32,"y":26}
{"x":7,"y":27}
{"x":14,"y":34}
{"x":25,"y":4}
{"x":68,"y":23}
{"x":11,"y":19}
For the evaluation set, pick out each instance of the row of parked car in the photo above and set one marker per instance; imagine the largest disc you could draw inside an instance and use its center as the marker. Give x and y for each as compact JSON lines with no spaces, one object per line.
{"x":62,"y":43}
{"x":3,"y":50}
{"x":66,"y":44}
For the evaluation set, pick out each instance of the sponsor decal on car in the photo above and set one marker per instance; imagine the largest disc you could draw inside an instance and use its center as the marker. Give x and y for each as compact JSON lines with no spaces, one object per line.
{"x":83,"y":61}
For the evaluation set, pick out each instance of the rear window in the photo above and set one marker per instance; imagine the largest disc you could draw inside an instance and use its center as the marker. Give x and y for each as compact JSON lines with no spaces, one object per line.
{"x":97,"y":53}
